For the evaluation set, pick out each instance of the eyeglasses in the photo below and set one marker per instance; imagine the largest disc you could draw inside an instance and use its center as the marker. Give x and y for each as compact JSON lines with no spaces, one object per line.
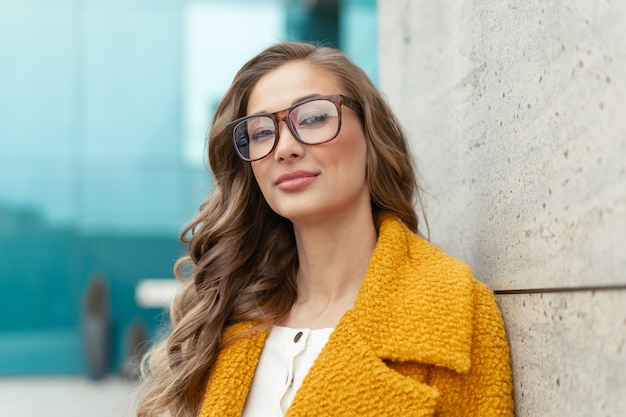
{"x":312,"y":121}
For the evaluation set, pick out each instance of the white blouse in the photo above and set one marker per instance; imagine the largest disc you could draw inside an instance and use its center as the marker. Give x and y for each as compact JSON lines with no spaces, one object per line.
{"x":285,"y":360}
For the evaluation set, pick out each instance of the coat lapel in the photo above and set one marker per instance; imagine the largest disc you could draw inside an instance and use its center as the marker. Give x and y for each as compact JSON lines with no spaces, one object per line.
{"x":349,"y":379}
{"x":416,"y":303}
{"x":415,"y":306}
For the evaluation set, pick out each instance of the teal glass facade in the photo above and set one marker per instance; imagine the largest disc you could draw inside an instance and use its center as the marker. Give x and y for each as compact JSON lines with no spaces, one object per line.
{"x":102,"y":123}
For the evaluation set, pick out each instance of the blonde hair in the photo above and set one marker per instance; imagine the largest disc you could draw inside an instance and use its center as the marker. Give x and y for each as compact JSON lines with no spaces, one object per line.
{"x":242,"y":255}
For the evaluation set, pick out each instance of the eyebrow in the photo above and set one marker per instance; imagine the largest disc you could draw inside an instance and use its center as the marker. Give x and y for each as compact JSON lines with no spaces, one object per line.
{"x":294,"y":101}
{"x":299,"y":99}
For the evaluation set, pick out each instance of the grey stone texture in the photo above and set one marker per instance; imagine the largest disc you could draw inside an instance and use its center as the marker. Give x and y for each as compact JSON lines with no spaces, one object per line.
{"x":568,"y":352}
{"x":516,"y":112}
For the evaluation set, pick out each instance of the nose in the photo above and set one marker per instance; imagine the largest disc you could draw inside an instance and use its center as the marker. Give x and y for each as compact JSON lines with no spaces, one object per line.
{"x":287,"y":146}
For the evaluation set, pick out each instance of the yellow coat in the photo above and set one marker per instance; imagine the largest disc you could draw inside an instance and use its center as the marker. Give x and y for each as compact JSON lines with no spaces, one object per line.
{"x":424,"y":338}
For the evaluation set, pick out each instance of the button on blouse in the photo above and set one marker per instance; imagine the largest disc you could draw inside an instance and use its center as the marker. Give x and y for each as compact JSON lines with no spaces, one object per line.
{"x":286,"y":358}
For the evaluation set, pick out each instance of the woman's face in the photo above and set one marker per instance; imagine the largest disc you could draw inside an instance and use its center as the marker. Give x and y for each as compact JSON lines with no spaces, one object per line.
{"x":310,"y":183}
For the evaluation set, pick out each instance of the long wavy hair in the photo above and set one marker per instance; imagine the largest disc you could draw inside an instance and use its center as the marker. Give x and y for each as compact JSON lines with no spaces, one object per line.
{"x":242,"y":260}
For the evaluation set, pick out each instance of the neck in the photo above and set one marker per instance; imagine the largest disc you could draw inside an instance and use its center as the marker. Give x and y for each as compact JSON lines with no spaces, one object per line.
{"x":333,"y":257}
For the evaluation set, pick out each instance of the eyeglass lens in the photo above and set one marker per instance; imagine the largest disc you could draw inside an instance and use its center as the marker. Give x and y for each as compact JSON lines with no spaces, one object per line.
{"x":312,"y":122}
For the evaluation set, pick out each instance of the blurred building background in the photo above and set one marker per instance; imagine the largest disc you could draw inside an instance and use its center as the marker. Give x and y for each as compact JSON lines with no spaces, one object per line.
{"x":104,"y":105}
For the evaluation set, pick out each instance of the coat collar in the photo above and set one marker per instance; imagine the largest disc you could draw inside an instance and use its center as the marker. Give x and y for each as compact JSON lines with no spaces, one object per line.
{"x":415,"y":305}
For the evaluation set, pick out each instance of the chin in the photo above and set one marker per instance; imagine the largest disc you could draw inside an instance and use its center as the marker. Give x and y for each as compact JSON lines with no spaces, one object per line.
{"x":300,"y":215}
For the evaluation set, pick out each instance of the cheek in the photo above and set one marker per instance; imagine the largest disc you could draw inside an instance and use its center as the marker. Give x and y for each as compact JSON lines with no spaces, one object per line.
{"x":257,"y":171}
{"x":353,"y":149}
{"x":354,"y":135}
{"x":260,"y":174}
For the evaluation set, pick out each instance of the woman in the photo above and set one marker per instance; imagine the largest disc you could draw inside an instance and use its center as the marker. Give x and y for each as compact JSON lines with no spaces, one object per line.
{"x":310,"y":292}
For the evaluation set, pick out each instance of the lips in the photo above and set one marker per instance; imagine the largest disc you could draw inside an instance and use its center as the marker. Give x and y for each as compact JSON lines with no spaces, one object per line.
{"x":295,"y":180}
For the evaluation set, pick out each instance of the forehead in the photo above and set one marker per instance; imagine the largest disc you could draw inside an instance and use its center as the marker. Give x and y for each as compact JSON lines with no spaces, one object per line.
{"x":284,"y":85}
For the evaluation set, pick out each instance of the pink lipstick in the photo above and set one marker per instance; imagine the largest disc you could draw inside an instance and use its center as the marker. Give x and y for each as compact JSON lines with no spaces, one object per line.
{"x":295,"y":180}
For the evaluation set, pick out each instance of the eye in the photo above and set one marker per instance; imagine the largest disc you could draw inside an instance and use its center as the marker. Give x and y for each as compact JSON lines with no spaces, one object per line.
{"x":242,"y":141}
{"x":262,"y":134}
{"x":312,"y":120}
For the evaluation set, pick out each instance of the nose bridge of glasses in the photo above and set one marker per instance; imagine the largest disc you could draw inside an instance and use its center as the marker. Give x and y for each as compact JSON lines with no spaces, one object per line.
{"x":284,"y":116}
{"x":281,"y":116}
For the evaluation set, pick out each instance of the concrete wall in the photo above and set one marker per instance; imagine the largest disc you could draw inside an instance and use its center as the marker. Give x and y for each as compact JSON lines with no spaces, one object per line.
{"x":517,"y":115}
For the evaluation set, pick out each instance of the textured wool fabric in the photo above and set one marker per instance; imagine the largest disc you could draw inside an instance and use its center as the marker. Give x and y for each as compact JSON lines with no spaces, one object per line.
{"x":424,"y":338}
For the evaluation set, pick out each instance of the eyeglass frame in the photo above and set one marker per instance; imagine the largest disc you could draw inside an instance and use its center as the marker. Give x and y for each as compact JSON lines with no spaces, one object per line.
{"x":284,"y":115}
